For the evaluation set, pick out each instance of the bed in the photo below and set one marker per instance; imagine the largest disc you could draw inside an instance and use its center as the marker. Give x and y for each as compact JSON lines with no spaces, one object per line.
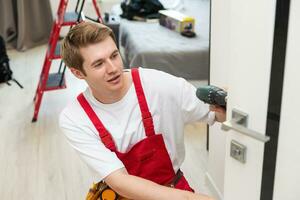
{"x":148,"y":44}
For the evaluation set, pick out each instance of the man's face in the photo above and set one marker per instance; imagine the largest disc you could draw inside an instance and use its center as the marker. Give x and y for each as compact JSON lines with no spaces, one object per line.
{"x":103,"y":67}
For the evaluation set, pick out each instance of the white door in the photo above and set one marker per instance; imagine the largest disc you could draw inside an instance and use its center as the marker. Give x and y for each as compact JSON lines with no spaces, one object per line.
{"x":251,"y":46}
{"x":255,"y":49}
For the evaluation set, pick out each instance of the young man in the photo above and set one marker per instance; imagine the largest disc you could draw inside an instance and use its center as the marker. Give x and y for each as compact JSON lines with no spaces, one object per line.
{"x":128,"y":125}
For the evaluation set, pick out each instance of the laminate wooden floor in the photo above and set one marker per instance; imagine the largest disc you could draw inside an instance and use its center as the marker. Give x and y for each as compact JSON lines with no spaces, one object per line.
{"x":35,"y":160}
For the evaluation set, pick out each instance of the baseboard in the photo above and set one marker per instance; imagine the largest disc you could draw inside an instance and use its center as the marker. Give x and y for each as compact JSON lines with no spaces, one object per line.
{"x":212,"y":186}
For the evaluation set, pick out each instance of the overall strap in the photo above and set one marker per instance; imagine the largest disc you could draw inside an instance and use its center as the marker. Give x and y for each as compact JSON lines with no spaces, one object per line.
{"x":103,"y":133}
{"x":146,"y":115}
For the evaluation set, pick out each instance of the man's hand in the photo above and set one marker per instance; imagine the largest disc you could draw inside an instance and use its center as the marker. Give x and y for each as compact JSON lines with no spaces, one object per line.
{"x":220,"y":113}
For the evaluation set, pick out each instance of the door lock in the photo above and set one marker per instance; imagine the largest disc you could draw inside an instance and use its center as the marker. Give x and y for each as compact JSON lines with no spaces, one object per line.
{"x":238,"y":151}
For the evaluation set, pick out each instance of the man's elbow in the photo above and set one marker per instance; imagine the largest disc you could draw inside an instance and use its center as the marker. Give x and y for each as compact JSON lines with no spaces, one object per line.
{"x":115,"y":180}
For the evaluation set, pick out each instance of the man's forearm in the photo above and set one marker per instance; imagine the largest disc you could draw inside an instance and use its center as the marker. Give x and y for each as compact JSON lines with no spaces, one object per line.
{"x":141,"y":189}
{"x":133,"y":187}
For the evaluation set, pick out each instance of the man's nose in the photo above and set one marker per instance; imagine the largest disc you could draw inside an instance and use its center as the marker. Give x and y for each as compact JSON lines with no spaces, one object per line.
{"x":111,"y":67}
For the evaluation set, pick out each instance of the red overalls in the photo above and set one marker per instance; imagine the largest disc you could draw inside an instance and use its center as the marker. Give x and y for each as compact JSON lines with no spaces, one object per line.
{"x":148,"y":158}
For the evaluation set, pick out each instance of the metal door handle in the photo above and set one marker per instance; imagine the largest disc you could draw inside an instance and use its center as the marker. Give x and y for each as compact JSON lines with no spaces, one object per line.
{"x":239,"y":123}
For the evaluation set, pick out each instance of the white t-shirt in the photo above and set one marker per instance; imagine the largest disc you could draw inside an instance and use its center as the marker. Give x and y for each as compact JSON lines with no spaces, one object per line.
{"x":172,"y":102}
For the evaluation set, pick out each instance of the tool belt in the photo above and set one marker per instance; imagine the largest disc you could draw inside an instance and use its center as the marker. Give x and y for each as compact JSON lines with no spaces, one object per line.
{"x":176,"y":179}
{"x":101,"y":191}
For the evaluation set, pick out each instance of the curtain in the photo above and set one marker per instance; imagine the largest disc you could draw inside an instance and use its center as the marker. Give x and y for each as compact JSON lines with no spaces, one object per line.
{"x":25,"y":23}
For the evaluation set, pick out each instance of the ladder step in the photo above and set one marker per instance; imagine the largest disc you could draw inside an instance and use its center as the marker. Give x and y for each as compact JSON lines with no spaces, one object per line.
{"x":70,"y":18}
{"x":57,"y":51}
{"x":54,"y":80}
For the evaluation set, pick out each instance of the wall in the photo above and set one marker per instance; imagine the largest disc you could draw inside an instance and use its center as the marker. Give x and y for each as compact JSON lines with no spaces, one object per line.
{"x":287,"y":175}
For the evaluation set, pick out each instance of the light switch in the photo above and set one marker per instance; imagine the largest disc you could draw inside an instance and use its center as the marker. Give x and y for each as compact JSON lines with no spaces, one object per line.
{"x":238,"y":151}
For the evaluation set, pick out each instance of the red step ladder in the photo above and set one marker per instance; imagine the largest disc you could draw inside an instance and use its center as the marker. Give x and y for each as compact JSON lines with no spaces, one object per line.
{"x":55,"y":81}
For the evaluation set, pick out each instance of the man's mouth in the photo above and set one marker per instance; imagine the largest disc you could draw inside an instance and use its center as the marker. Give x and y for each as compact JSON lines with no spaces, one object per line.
{"x":113,"y":78}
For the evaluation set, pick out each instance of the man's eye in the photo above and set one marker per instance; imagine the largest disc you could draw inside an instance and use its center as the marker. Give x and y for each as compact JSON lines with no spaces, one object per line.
{"x":99,"y":64}
{"x":115,"y":55}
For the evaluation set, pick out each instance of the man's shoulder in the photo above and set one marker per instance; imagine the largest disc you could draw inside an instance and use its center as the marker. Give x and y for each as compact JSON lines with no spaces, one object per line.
{"x":72,"y":113}
{"x":156,"y":74}
{"x":160,"y":79}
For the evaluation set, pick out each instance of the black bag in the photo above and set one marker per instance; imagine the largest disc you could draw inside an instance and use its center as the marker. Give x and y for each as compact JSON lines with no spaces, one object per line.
{"x":5,"y":71}
{"x":145,"y":9}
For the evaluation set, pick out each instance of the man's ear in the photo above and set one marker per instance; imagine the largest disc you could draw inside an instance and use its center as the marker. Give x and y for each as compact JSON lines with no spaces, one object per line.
{"x":77,"y":73}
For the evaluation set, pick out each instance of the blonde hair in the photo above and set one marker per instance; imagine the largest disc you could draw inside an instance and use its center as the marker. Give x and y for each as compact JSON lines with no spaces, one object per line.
{"x":82,"y":35}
